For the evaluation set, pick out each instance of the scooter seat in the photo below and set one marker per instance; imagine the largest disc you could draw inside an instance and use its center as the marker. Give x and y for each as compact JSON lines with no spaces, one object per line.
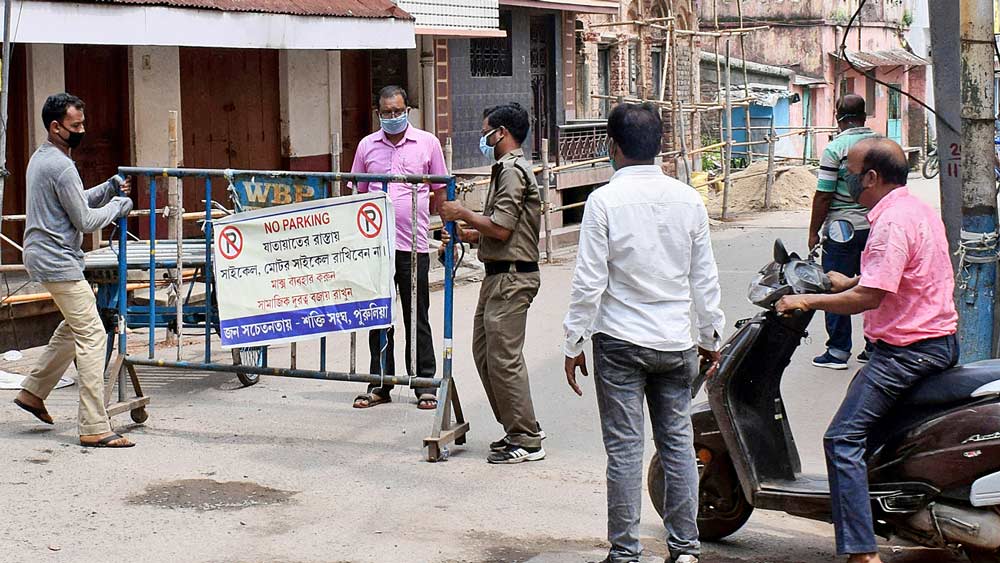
{"x":933,"y":395}
{"x":954,"y":385}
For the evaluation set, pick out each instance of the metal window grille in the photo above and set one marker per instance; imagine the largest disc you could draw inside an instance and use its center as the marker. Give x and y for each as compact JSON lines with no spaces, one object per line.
{"x":491,"y":56}
{"x":582,"y":140}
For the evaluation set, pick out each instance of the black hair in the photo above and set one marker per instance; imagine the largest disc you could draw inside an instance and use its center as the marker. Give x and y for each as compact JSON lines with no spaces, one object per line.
{"x":888,"y":159}
{"x":56,"y":105}
{"x":393,"y":91}
{"x":510,"y":116}
{"x":851,"y":109}
{"x":637,"y":129}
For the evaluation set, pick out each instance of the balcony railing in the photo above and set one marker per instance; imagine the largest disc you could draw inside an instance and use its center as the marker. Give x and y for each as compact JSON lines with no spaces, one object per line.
{"x":582,"y":140}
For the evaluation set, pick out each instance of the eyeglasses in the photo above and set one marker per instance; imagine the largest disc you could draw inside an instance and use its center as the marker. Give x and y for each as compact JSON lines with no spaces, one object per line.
{"x":488,"y":133}
{"x":393,"y":114}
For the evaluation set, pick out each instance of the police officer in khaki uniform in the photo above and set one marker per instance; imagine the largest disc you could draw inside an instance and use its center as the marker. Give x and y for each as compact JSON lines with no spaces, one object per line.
{"x":507,"y":233}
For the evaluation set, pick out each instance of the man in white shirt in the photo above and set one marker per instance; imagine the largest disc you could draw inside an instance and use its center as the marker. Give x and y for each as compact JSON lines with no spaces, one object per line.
{"x":645,"y":257}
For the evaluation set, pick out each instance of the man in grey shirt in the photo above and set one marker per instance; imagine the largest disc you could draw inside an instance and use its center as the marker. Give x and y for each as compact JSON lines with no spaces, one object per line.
{"x":60,"y":211}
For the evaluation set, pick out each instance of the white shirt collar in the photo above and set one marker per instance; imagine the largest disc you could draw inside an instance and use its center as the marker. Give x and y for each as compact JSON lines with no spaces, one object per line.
{"x":638,"y":169}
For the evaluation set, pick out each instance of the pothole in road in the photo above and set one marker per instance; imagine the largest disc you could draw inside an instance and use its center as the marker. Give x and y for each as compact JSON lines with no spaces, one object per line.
{"x":207,"y":494}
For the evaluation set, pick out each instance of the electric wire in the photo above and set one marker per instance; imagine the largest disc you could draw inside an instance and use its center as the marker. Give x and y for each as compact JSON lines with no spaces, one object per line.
{"x":871,"y":76}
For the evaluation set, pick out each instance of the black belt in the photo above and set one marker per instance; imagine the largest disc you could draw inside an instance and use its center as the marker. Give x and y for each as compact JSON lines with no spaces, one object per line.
{"x":504,"y":266}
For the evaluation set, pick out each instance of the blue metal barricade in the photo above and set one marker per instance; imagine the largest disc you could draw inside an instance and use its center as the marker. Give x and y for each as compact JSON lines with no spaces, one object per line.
{"x":253,"y":189}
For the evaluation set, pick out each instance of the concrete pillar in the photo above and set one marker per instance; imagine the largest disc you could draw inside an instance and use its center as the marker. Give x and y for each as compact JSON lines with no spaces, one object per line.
{"x":335,"y":104}
{"x":46,"y":76}
{"x":154,"y":90}
{"x":304,"y":91}
{"x":427,"y":83}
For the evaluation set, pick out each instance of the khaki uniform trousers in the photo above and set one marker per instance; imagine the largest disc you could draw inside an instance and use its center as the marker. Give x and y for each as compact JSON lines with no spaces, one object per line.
{"x":81,"y":336}
{"x":497,"y":344}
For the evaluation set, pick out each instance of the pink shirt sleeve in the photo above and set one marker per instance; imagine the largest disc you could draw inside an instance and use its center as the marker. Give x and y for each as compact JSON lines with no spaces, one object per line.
{"x":359,"y":167}
{"x":885,"y":257}
{"x":437,"y":165}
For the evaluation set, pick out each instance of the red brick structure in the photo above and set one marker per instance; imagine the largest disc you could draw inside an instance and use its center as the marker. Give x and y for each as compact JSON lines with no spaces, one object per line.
{"x":628,"y":61}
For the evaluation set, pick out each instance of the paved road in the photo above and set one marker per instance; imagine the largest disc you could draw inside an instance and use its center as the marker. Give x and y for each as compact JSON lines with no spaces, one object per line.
{"x":287,"y":471}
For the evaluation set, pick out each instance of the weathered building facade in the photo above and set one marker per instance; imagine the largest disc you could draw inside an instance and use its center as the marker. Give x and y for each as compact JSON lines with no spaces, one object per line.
{"x":805,"y":36}
{"x":639,"y":61}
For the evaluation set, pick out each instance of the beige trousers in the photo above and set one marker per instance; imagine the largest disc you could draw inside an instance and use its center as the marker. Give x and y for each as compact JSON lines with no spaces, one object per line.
{"x":81,"y":336}
{"x":497,"y":344}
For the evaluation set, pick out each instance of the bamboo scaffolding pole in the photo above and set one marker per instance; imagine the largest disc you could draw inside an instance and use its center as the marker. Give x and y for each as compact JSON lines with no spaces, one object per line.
{"x":467,"y":186}
{"x":746,"y":79}
{"x":708,"y":148}
{"x":663,"y":70}
{"x":718,"y":76}
{"x":720,"y":33}
{"x":674,"y":94}
{"x":770,"y":165}
{"x":690,"y":107}
{"x":639,"y":22}
{"x":727,"y":162}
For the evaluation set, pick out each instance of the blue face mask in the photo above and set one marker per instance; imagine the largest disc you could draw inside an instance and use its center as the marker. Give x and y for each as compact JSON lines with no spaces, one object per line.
{"x":394,"y":125}
{"x":485,"y":147}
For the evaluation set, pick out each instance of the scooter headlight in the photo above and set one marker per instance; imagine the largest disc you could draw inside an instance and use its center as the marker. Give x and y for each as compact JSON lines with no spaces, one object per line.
{"x":758,"y":292}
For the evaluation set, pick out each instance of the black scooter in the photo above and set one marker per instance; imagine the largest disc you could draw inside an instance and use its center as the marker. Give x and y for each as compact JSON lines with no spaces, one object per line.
{"x":934,"y":462}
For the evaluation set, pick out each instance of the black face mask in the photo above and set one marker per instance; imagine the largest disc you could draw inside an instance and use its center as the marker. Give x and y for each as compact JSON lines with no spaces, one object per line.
{"x":74,"y":139}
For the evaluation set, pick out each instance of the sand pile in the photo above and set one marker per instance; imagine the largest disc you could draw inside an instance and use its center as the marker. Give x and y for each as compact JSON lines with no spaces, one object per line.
{"x":793,"y":189}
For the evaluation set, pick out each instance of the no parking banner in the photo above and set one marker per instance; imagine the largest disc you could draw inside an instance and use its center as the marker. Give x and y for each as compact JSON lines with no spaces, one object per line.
{"x":300,"y":271}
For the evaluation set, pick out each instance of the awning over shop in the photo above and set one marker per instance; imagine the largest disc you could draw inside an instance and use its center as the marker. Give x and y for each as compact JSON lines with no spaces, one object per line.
{"x":867,"y":60}
{"x":266,"y":24}
{"x":580,"y":6}
{"x":808,"y":81}
{"x":760,"y":94}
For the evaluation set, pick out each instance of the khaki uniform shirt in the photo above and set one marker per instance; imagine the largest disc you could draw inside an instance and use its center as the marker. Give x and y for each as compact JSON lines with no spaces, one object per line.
{"x":514,"y":203}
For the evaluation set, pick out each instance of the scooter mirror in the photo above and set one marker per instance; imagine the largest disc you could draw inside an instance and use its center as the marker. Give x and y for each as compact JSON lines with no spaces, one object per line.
{"x":780,"y":254}
{"x":841,"y":231}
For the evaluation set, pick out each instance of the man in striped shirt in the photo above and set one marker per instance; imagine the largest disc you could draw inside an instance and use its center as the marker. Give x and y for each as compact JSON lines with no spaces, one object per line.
{"x":833,"y":202}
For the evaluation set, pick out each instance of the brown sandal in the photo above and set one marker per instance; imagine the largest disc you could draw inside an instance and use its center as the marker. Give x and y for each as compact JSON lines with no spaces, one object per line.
{"x":369,"y":400}
{"x":39,"y":412}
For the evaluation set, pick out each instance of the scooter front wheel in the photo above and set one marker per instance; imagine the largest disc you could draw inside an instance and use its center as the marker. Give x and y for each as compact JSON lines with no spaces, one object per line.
{"x":982,"y":556}
{"x":722,"y":507}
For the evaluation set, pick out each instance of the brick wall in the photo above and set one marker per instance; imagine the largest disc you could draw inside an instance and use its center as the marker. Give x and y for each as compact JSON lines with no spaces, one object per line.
{"x":621,"y":38}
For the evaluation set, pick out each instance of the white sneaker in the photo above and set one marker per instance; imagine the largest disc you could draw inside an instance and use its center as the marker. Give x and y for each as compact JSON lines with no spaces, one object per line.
{"x":686,"y":559}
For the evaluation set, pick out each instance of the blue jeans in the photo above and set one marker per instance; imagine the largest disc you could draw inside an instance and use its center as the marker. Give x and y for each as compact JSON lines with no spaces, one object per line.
{"x":843,"y":257}
{"x":624,"y":374}
{"x":890,"y":371}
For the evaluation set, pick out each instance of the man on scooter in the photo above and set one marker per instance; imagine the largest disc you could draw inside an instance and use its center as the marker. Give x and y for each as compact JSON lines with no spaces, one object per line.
{"x":905,"y":291}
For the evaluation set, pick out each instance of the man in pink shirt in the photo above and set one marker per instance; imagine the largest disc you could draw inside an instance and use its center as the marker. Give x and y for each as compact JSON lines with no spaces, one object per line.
{"x":400,"y":148}
{"x":906,"y":293}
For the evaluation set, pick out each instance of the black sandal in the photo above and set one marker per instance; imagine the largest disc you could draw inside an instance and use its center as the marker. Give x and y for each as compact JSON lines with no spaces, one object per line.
{"x":371,"y":399}
{"x":40,"y":413}
{"x":427,"y":402}
{"x":106,"y":442}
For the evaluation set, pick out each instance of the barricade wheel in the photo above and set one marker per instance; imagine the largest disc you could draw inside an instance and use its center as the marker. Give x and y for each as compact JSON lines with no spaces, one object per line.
{"x":252,"y":356}
{"x":139,"y":415}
